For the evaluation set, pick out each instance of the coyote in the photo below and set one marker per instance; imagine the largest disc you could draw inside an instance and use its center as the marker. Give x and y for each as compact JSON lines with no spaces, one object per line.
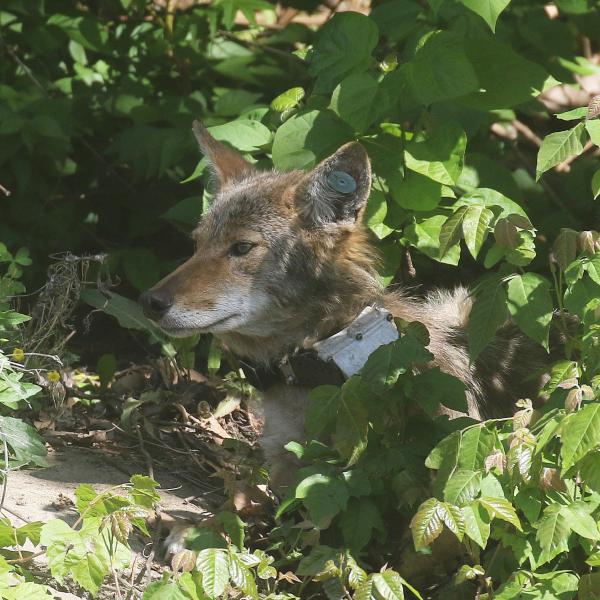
{"x":283,"y":260}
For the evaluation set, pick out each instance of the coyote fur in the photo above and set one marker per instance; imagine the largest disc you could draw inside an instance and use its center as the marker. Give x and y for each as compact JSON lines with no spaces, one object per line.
{"x":283,"y":260}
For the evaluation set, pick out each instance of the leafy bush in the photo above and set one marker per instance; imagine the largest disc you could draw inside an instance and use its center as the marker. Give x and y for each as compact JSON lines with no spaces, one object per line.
{"x":474,"y":178}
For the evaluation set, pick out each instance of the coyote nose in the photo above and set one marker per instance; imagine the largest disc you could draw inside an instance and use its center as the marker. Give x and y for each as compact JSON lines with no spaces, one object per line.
{"x":155,"y":303}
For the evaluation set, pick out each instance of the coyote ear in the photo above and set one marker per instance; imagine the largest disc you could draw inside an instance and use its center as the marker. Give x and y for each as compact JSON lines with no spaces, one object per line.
{"x":227,"y":163}
{"x":337,"y":189}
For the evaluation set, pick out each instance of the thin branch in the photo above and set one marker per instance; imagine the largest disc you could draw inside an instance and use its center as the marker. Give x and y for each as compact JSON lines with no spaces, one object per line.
{"x":565,"y":166}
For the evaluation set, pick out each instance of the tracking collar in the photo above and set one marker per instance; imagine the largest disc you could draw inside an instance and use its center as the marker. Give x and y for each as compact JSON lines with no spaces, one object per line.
{"x":330,"y":361}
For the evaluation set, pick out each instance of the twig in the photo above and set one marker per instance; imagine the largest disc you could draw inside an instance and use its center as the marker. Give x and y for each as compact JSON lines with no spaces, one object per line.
{"x":527,"y":132}
{"x":565,"y":166}
{"x":145,"y":453}
{"x":5,"y":191}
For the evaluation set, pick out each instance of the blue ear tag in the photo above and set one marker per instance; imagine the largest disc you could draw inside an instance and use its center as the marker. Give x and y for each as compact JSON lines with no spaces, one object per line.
{"x":341,"y":182}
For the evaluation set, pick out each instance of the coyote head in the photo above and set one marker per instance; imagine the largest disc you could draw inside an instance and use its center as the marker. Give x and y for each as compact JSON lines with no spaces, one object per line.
{"x":278,"y":254}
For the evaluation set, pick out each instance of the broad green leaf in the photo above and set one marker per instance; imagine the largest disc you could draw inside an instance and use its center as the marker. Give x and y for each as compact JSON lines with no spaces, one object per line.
{"x":342,"y":46}
{"x":308,"y":137}
{"x":165,"y":590}
{"x":23,"y":441}
{"x":561,"y":371}
{"x":396,"y":19}
{"x":491,"y":61}
{"x":559,"y":146}
{"x":213,"y":564}
{"x":476,"y":444}
{"x":416,"y":192}
{"x":475,"y":225}
{"x":375,"y":213}
{"x":440,"y":69}
{"x":488,"y":10}
{"x":495,"y":201}
{"x":531,"y":306}
{"x":127,"y":312}
{"x":427,"y":524}
{"x":388,"y":585}
{"x":573,"y":115}
{"x":433,"y":388}
{"x":489,"y":312}
{"x":350,"y":437}
{"x":440,"y":156}
{"x":581,"y":521}
{"x":353,"y":100}
{"x":358,"y":521}
{"x":243,"y":134}
{"x":589,"y":586}
{"x":593,"y":129}
{"x":452,"y":230}
{"x":589,"y":468}
{"x":452,"y":518}
{"x":288,"y":99}
{"x":553,"y":530}
{"x":324,"y":402}
{"x":500,"y":508}
{"x":388,"y":362}
{"x":324,"y":497}
{"x":424,"y":234}
{"x":581,"y":434}
{"x":462,"y":487}
{"x":477,"y":523}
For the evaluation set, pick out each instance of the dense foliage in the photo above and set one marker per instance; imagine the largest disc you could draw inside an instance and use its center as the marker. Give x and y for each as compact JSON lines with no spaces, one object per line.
{"x":485,"y":155}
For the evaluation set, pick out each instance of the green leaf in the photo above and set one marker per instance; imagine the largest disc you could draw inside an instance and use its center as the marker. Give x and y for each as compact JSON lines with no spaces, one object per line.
{"x":353,"y":100}
{"x":128,"y":313}
{"x":342,"y":46}
{"x":308,"y":137}
{"x":488,"y":10}
{"x":500,"y":508}
{"x":491,"y":61}
{"x":476,"y":444}
{"x":350,"y":438}
{"x":424,"y":234}
{"x":375,"y":213}
{"x":396,"y":18}
{"x":426,"y":525}
{"x":581,"y":434}
{"x":416,"y":192}
{"x":452,"y":518}
{"x":324,"y":497}
{"x":489,"y":312}
{"x":358,"y":521}
{"x":440,"y":69}
{"x":213,"y":564}
{"x":165,"y":590}
{"x":477,"y":523}
{"x":433,"y":388}
{"x":593,"y":129}
{"x":451,"y":230}
{"x":388,"y":586}
{"x":559,"y":146}
{"x":581,"y":521}
{"x":24,"y":442}
{"x":439,"y":156}
{"x":573,"y":115}
{"x":324,"y":403}
{"x":476,"y":226}
{"x":388,"y":362}
{"x":589,"y":587}
{"x":288,"y":99}
{"x":462,"y":487}
{"x":143,"y":492}
{"x":530,"y":304}
{"x":596,"y":184}
{"x":243,"y":134}
{"x":553,"y":530}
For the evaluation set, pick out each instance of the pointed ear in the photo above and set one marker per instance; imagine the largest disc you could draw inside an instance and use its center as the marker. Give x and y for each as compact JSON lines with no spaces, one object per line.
{"x":227,"y":164}
{"x":337,"y":189}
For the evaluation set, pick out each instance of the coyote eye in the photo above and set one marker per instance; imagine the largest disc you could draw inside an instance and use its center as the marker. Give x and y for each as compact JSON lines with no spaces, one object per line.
{"x":241,"y":248}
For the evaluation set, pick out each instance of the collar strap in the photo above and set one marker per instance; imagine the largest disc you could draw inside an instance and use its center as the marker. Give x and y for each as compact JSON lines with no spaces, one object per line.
{"x":330,"y":361}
